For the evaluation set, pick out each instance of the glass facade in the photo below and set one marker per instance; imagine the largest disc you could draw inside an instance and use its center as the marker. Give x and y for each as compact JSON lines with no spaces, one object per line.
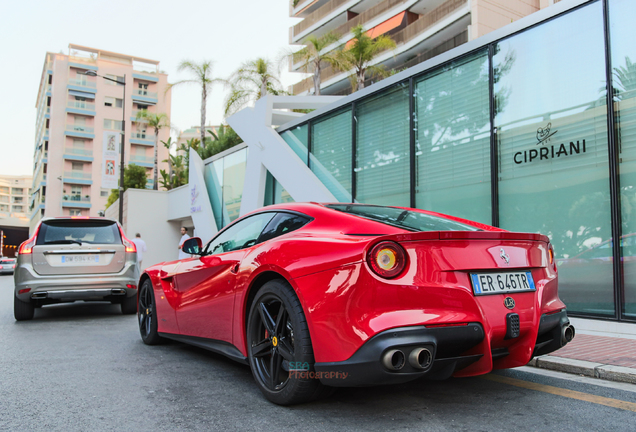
{"x":297,"y":140}
{"x":382,"y":148}
{"x":623,"y":33}
{"x":514,"y":133}
{"x":330,"y":156}
{"x":553,"y":151}
{"x":275,"y":193}
{"x":452,"y":158}
{"x":224,"y":180}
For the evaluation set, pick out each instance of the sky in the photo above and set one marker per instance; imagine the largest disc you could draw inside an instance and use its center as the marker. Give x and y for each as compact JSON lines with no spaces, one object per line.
{"x":226,"y":32}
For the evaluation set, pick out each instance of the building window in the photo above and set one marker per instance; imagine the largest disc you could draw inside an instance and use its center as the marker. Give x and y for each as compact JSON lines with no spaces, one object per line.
{"x":622,"y":32}
{"x":77,"y":166}
{"x":18,"y":209}
{"x":17,"y":191}
{"x":452,"y":147}
{"x":112,"y":124}
{"x":75,"y":212}
{"x":113,"y":102}
{"x":104,"y":193}
{"x":76,"y":190}
{"x":4,"y":207}
{"x":78,"y":144}
{"x":382,"y":148}
{"x":143,"y":89}
{"x":4,"y":190}
{"x":551,"y":124}
{"x":113,"y":77}
{"x":4,"y":198}
{"x":330,"y":157}
{"x":18,"y":200}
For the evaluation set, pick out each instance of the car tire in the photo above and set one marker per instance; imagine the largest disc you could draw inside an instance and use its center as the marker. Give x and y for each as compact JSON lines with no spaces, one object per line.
{"x":270,"y":355}
{"x":22,"y":311}
{"x":129,"y":305}
{"x":147,"y":315}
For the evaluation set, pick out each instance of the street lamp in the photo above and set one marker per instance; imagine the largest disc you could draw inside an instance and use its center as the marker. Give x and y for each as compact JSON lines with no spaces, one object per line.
{"x":123,"y":142}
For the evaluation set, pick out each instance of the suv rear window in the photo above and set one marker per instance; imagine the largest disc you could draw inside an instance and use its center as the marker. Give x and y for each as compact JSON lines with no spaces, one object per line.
{"x":405,"y":219}
{"x":78,"y":231}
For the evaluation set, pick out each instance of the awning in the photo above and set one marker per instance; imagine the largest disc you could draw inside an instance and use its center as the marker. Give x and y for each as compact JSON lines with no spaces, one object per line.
{"x":382,"y":28}
{"x":81,"y":94}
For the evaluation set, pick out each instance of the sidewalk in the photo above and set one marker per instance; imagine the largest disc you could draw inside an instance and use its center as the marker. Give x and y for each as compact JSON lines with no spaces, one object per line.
{"x":604,"y":355}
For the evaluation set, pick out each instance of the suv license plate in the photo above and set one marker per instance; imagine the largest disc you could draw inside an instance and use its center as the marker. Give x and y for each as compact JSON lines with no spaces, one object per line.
{"x":79,"y":259}
{"x":502,"y":283}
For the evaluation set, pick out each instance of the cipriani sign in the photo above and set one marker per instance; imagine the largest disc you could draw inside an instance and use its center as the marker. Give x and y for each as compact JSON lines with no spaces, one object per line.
{"x":546,"y":151}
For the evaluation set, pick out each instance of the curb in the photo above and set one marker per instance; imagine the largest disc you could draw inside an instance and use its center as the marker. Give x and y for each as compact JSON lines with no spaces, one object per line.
{"x":590,"y":369}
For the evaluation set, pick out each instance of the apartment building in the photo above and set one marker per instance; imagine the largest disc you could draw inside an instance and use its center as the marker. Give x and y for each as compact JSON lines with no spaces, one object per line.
{"x":422,"y":29}
{"x":15,"y":192}
{"x":77,"y":113}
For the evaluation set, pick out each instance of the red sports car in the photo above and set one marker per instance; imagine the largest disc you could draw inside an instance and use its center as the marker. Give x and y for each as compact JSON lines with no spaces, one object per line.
{"x":314,"y":296}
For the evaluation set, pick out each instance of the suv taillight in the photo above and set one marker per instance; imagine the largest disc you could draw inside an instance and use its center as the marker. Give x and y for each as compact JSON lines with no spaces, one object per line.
{"x":130,"y":246}
{"x":26,"y":247}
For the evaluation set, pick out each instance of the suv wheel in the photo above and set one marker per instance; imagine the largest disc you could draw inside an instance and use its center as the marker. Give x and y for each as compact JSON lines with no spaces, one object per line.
{"x":22,"y":311}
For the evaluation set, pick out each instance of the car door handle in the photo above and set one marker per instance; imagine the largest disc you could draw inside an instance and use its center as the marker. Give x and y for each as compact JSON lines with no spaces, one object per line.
{"x":235,"y":268}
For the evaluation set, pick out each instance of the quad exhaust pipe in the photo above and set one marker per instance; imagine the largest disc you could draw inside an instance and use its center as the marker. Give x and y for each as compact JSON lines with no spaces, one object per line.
{"x":393,"y":360}
{"x":420,"y":358}
{"x":567,"y":334}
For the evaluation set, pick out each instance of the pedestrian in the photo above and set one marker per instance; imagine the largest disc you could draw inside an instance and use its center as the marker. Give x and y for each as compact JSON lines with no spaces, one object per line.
{"x":141,"y":248}
{"x":184,"y":237}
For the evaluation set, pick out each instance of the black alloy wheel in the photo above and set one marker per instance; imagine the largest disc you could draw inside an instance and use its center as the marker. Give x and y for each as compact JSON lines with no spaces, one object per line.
{"x":279,"y":341}
{"x":147,"y":314}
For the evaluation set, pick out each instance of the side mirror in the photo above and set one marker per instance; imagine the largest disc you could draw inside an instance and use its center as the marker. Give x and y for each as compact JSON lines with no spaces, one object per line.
{"x":192,"y":246}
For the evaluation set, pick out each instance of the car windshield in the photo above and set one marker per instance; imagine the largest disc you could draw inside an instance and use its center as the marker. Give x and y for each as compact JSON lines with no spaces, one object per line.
{"x":405,"y":219}
{"x":78,"y":232}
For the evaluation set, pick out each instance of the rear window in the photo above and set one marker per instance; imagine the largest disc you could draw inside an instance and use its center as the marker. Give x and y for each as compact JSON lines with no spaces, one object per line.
{"x":78,"y":232}
{"x":7,"y":260}
{"x":405,"y":219}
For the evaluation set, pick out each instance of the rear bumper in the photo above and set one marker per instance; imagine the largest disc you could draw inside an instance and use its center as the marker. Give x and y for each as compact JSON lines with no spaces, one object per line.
{"x":366,"y":366}
{"x":54,"y":289}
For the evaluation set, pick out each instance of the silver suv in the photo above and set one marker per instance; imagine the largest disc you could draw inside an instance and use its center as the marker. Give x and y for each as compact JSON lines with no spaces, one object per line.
{"x":74,"y":258}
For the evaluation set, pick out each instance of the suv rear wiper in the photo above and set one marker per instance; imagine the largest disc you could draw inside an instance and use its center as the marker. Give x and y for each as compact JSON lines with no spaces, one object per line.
{"x":63,"y":242}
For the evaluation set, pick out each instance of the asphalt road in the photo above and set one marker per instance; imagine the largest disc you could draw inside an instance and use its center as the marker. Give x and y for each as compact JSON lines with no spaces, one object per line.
{"x":83,"y":367}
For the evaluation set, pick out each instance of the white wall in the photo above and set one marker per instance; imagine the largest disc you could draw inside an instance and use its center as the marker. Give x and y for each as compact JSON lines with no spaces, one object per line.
{"x":147,"y":214}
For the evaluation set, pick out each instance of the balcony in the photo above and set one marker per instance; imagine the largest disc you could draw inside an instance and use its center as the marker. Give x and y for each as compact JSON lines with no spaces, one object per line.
{"x":408,"y":34}
{"x":80,"y":107}
{"x":77,"y":177}
{"x":80,"y":131}
{"x":145,"y":161}
{"x":133,"y":116}
{"x":76,"y":201}
{"x":79,"y":154}
{"x":146,"y":96}
{"x":82,"y":84}
{"x":317,"y":15}
{"x":142,"y":138}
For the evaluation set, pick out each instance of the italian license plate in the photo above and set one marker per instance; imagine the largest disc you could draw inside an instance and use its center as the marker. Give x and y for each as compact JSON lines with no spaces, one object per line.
{"x":80,"y":259}
{"x":502,"y":283}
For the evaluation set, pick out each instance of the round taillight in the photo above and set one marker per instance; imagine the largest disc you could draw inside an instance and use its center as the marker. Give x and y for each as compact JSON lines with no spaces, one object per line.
{"x":387,"y":259}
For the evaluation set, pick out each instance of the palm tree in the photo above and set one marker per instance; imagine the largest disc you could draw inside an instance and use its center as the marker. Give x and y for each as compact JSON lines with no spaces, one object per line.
{"x":155,"y":121}
{"x":312,"y":57}
{"x":253,"y":80}
{"x":202,"y":76}
{"x":362,"y":50}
